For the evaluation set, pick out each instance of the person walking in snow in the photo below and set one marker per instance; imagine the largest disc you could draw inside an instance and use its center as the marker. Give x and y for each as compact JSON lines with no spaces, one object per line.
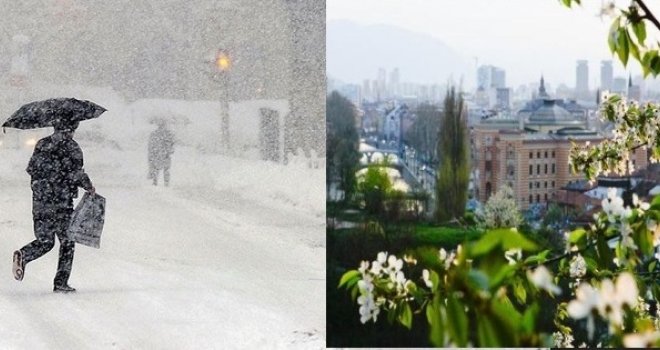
{"x":56,"y":170}
{"x":160,"y":149}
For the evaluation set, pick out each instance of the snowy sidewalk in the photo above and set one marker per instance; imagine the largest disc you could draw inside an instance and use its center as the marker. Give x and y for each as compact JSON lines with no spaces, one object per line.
{"x":177,"y":269}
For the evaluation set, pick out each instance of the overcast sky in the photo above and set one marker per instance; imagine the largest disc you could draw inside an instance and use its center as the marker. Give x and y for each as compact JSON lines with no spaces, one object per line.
{"x":525,"y":37}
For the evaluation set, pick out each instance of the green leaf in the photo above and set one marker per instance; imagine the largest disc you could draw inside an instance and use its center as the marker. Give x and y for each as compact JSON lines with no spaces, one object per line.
{"x":354,"y":293}
{"x":434,"y":316}
{"x":639,"y":29}
{"x":514,"y":240}
{"x":576,"y":235}
{"x":349,"y":276}
{"x":457,"y":321}
{"x":604,"y":252}
{"x":486,"y":243}
{"x":520,"y":291}
{"x":435,"y":279}
{"x":652,"y":265}
{"x":634,"y":50}
{"x":623,"y":47}
{"x":612,"y":35}
{"x":405,"y":317}
{"x":507,"y":238}
{"x":538,"y":258}
{"x":529,"y":318}
{"x":487,"y":334}
{"x":507,"y":321}
{"x":502,"y":274}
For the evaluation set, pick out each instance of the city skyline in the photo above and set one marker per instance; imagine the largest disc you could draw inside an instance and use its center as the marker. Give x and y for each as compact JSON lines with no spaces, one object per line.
{"x":524,"y":38}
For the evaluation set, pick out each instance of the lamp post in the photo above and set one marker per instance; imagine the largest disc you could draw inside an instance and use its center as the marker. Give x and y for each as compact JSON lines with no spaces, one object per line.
{"x":222,"y":65}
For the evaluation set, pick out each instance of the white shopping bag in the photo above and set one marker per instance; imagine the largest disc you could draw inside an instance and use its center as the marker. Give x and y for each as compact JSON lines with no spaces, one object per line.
{"x":87,"y":220}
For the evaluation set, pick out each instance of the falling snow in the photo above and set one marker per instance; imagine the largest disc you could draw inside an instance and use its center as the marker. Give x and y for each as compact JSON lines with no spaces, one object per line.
{"x":230,"y":254}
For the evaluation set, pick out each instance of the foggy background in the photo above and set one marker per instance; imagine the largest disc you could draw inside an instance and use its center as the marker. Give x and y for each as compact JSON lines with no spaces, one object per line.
{"x":525,"y":37}
{"x":232,"y":253}
{"x":162,"y":49}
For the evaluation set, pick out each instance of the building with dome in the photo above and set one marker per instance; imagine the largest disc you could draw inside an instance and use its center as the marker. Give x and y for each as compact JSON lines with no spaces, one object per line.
{"x":529,"y":150}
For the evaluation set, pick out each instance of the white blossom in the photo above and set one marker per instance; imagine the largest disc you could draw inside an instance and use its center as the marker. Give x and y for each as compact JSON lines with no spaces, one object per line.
{"x":369,"y":310}
{"x":562,"y":340}
{"x":447,"y":258}
{"x":542,"y":278}
{"x":647,"y":339}
{"x":426,"y":278}
{"x":382,"y":257}
{"x":501,"y":210}
{"x":586,"y":300}
{"x":608,"y":300}
{"x":513,"y":255}
{"x":578,"y":267}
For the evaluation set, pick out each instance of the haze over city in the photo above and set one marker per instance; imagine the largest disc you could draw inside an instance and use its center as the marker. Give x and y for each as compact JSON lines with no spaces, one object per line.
{"x":525,"y":38}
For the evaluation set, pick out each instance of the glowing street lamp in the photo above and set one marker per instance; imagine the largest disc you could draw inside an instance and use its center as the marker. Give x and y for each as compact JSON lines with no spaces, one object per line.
{"x":222,"y":64}
{"x":222,"y":61}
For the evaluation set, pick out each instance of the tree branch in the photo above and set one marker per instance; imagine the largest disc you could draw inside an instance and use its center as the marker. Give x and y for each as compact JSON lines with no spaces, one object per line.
{"x":647,"y":13}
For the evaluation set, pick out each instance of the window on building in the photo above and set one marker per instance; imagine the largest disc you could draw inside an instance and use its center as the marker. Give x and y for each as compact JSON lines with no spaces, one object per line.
{"x":530,"y":169}
{"x":538,"y":169}
{"x":545,"y":155}
{"x":538,"y":198}
{"x":538,"y":184}
{"x":552,"y":184}
{"x":545,"y":184}
{"x":489,"y":165}
{"x":553,"y":154}
{"x":545,"y":168}
{"x":545,"y":197}
{"x":538,"y":154}
{"x":531,"y":198}
{"x":553,"y":168}
{"x":530,"y":185}
{"x":531,"y":155}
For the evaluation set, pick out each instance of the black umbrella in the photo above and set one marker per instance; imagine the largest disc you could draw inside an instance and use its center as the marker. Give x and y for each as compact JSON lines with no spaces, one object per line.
{"x":42,"y":114}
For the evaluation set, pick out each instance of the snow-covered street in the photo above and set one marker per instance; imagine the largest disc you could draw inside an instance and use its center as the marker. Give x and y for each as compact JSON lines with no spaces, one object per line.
{"x":231,"y":255}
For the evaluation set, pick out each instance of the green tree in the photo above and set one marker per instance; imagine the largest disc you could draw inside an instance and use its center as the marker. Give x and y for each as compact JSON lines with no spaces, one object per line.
{"x":453,"y":172}
{"x":423,"y":134}
{"x":501,"y":210}
{"x":375,"y":186}
{"x":342,"y":144}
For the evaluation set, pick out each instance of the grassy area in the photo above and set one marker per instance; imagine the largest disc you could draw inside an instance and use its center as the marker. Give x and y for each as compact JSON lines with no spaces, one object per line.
{"x":426,"y":234}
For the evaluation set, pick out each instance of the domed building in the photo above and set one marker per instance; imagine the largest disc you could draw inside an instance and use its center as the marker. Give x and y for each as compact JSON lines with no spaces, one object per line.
{"x":552,"y":117}
{"x":529,"y":151}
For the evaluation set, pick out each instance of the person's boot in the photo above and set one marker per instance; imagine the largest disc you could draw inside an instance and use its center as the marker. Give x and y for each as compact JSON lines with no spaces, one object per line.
{"x":18,"y":267}
{"x":65,"y":288}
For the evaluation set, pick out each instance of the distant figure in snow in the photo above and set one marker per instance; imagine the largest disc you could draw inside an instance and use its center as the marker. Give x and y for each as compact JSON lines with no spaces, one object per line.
{"x":56,"y":169}
{"x":161,"y":147}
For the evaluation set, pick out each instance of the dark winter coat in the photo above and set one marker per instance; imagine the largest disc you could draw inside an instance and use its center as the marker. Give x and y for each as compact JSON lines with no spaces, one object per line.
{"x":161,"y":147}
{"x":56,"y":168}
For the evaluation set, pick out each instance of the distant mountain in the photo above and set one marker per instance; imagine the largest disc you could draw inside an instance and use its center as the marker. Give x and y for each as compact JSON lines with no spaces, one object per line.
{"x":355,"y":52}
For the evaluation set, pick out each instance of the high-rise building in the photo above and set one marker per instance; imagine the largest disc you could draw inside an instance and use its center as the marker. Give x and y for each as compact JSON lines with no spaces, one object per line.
{"x":484,"y":77}
{"x":491,"y":77}
{"x":619,"y":85}
{"x":366,"y":90}
{"x":606,"y":75}
{"x":634,"y":91}
{"x":582,"y":77}
{"x":394,"y":82}
{"x":382,"y":84}
{"x":498,"y":78}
